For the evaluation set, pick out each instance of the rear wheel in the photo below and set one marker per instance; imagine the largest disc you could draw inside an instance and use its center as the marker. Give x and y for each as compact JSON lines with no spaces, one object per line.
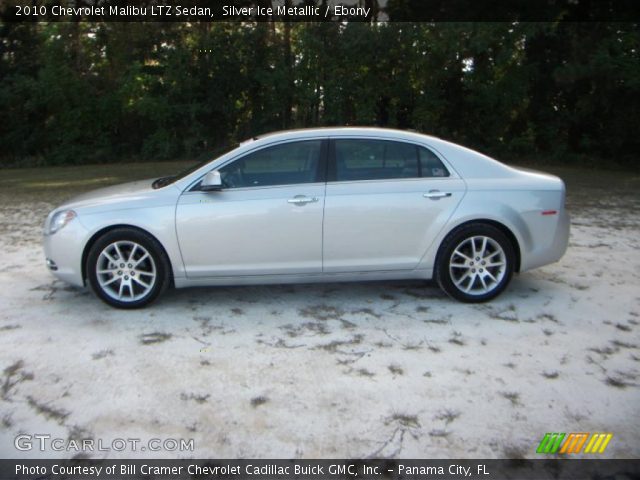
{"x":475,"y":263}
{"x":127,"y":268}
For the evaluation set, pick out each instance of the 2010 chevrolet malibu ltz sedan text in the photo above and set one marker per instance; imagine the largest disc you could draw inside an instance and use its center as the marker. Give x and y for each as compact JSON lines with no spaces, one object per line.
{"x":339,"y":204}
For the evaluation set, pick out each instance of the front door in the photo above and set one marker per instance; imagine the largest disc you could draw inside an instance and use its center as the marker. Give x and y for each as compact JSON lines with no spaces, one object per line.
{"x":267,"y":218}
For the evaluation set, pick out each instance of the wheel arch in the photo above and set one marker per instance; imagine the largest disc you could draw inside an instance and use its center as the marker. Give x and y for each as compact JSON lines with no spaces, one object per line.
{"x":496,"y":224}
{"x":94,"y":238}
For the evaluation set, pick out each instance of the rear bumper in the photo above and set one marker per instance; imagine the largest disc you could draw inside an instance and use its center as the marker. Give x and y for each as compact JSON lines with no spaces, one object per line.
{"x":63,"y":252}
{"x":552,"y":243}
{"x":561,"y":240}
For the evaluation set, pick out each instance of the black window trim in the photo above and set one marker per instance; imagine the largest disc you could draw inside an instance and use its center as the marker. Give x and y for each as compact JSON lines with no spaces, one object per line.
{"x":332,"y":173}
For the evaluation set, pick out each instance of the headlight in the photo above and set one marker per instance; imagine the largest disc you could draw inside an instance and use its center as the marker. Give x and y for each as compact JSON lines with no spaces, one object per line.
{"x":59,"y":220}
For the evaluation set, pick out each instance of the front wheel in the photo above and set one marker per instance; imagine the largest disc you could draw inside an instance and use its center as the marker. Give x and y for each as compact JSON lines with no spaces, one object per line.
{"x":127,"y":268}
{"x":475,"y":263}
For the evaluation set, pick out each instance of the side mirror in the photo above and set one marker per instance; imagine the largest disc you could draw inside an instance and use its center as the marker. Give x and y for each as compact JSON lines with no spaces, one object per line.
{"x":212,"y":181}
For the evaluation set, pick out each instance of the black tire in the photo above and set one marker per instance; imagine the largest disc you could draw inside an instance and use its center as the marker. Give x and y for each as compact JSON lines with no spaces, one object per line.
{"x":453,"y":262}
{"x":134,"y":294}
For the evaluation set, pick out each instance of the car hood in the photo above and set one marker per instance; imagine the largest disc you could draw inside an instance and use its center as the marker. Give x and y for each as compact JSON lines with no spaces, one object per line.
{"x":124,"y":192}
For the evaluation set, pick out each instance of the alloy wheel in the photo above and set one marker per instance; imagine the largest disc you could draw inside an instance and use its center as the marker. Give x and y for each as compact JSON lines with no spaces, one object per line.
{"x":126,"y":271}
{"x":477,"y":265}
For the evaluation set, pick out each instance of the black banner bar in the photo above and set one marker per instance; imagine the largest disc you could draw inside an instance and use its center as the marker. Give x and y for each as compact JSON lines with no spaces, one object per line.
{"x":84,"y":469}
{"x":320,"y":10}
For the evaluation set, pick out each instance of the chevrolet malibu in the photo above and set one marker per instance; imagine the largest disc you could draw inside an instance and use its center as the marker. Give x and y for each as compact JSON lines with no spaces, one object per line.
{"x":321,"y":205}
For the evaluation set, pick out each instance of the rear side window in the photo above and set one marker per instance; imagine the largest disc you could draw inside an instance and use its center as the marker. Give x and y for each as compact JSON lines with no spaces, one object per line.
{"x":360,"y":159}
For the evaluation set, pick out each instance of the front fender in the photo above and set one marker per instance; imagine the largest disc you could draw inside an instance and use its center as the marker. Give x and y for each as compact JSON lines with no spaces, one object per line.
{"x":158,"y":221}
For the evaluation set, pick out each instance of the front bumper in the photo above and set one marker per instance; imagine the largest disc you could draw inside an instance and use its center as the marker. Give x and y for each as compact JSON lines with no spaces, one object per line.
{"x":63,"y":252}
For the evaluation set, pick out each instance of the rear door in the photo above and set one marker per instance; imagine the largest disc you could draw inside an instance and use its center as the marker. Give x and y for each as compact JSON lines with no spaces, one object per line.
{"x":385,"y":203}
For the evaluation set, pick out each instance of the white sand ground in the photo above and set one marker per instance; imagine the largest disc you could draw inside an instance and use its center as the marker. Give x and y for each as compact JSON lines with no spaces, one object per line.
{"x":342,"y":370}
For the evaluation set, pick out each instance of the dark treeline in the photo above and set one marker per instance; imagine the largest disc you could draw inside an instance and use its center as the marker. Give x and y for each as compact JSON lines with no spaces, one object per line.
{"x":97,"y":92}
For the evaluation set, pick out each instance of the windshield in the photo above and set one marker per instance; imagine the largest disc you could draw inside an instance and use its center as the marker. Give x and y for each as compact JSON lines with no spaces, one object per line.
{"x":164,"y":181}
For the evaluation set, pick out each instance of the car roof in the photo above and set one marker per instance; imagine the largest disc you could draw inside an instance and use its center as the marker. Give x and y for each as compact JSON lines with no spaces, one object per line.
{"x":342,"y":131}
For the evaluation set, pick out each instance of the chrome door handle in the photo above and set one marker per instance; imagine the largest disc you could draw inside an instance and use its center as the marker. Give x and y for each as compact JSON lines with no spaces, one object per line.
{"x":302,"y":200}
{"x":436,"y":194}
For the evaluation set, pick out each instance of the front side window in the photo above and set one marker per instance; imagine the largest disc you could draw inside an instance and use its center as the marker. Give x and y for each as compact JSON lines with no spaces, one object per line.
{"x":360,"y":159}
{"x":286,"y":164}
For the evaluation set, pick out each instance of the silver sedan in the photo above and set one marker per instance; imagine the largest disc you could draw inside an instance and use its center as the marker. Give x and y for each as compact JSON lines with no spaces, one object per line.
{"x":321,"y":205}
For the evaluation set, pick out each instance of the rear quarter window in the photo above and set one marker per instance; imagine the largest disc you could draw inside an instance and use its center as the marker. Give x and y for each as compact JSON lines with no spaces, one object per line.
{"x":430,"y":164}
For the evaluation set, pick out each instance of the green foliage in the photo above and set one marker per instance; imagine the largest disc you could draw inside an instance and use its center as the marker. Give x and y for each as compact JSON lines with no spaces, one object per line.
{"x":73,"y":93}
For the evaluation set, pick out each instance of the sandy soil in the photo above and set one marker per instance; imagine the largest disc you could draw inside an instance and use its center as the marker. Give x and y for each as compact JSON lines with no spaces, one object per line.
{"x":341,"y":370}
